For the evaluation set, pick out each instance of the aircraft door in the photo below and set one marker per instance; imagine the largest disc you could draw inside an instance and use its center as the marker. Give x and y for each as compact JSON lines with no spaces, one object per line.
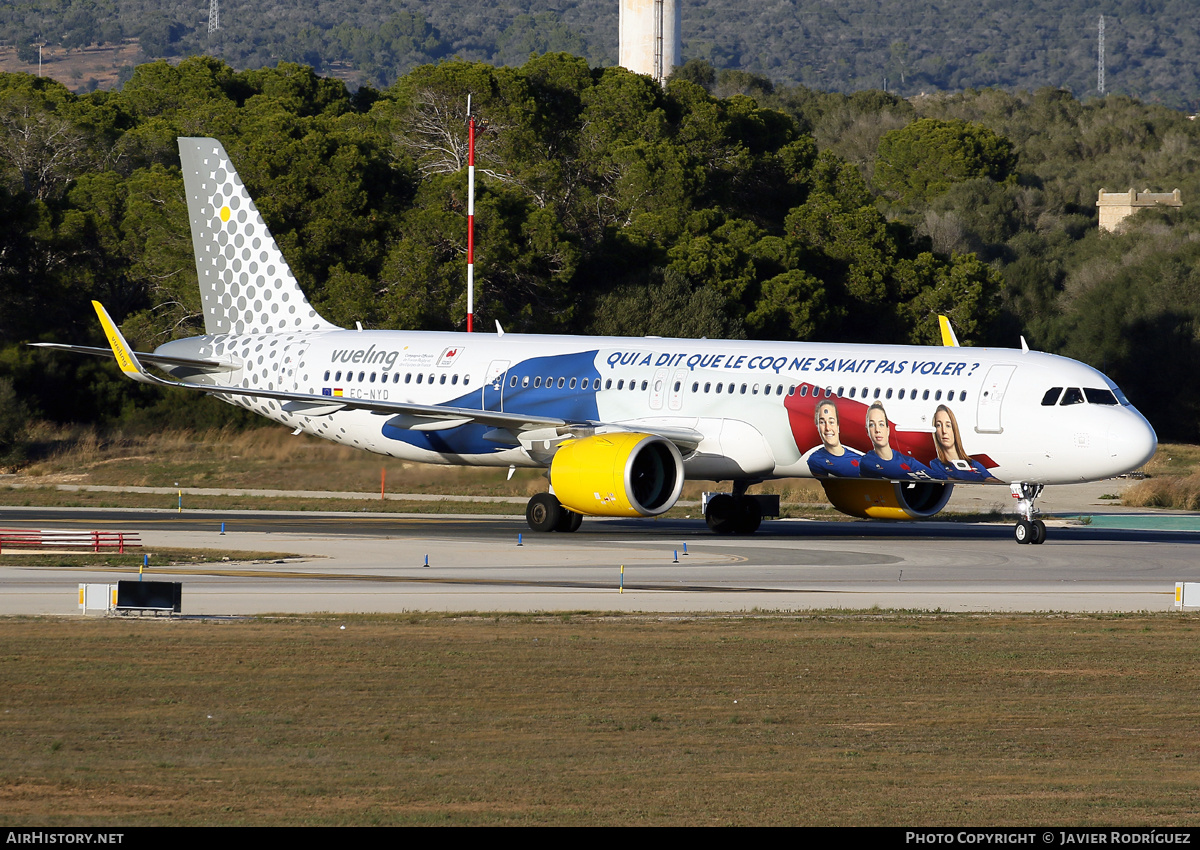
{"x":493,"y":385}
{"x":991,"y":397}
{"x":678,"y":381}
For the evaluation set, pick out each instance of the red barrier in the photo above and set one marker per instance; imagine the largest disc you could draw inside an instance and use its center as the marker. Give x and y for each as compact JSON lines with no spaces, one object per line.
{"x":97,"y":541}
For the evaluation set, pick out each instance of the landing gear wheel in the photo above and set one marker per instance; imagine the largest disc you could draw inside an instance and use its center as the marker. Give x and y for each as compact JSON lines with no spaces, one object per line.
{"x":721,"y":514}
{"x":568,"y":520}
{"x":749,"y":517}
{"x":1024,"y":531}
{"x":1039,"y":532}
{"x":543,"y":512}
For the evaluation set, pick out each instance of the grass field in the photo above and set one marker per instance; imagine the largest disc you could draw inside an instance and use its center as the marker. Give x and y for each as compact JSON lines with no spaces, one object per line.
{"x":576,"y":719}
{"x":273,"y":459}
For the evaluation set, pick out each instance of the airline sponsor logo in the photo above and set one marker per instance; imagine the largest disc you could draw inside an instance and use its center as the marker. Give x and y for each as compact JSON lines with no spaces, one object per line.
{"x":368,"y":356}
{"x":448,"y":356}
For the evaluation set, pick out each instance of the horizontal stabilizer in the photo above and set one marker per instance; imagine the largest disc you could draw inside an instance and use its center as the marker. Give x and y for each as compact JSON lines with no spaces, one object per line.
{"x":143,"y":356}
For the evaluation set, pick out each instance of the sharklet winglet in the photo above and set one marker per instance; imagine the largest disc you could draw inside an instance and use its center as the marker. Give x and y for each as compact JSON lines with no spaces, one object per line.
{"x":948,"y":336}
{"x":126,"y":359}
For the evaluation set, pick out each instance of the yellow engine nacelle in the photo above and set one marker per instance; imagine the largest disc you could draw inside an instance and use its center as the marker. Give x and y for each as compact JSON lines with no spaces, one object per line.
{"x":887,"y":499}
{"x":618,"y":474}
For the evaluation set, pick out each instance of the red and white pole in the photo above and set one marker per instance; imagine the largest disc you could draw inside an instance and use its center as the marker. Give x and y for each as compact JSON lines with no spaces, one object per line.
{"x":470,"y":218}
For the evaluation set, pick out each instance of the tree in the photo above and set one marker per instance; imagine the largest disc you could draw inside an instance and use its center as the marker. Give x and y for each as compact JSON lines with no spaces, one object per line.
{"x":666,"y":304}
{"x":922,"y":160}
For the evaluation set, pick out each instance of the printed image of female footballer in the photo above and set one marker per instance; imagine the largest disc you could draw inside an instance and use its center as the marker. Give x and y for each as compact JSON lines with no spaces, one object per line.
{"x":831,"y":459}
{"x":884,"y":462}
{"x":952,"y":460}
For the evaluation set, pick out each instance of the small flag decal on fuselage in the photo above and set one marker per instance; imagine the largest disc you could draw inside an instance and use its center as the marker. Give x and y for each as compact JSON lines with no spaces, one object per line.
{"x":335,"y":391}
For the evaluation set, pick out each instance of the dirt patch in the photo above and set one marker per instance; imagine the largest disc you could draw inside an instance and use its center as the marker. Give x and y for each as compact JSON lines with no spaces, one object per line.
{"x":81,"y":70}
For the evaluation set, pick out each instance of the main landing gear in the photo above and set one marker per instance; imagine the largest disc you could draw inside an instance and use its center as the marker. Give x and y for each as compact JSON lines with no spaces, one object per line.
{"x":1028,"y":529}
{"x":545,"y":513}
{"x":736,"y":514}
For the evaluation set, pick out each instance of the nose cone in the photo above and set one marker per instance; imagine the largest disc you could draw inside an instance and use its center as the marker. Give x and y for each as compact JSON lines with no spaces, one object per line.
{"x":1132,"y":441}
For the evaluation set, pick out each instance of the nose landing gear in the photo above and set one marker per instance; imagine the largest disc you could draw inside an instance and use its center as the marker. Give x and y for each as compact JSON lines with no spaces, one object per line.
{"x":1028,"y":529}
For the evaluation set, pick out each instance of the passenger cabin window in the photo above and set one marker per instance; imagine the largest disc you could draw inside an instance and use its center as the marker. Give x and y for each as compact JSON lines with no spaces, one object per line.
{"x":1072,"y":395}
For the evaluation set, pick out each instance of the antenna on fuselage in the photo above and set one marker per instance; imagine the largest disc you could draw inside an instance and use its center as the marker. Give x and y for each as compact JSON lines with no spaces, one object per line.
{"x":470,"y":217}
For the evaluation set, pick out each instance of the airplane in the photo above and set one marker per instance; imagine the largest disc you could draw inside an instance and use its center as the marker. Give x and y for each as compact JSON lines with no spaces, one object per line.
{"x":618,"y":424}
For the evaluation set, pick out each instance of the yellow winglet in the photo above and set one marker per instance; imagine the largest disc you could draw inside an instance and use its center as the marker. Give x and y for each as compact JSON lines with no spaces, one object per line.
{"x":948,"y":337}
{"x":125,"y":357}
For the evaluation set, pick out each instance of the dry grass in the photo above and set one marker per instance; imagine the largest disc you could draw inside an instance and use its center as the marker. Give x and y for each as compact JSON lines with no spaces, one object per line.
{"x":273,"y":459}
{"x":877,"y":719}
{"x":1172,"y":491}
{"x":77,"y":69}
{"x":159,"y":556}
{"x":263,"y":458}
{"x":1172,"y":480}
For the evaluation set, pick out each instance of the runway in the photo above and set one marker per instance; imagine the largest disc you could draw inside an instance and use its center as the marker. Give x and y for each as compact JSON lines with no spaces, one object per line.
{"x":357,"y":563}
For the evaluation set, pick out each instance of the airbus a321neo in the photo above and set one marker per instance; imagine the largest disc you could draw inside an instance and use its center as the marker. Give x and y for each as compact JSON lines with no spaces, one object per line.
{"x":619,"y":423}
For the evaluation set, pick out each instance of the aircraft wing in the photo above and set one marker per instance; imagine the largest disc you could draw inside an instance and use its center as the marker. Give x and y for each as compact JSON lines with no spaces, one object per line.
{"x":417,"y":417}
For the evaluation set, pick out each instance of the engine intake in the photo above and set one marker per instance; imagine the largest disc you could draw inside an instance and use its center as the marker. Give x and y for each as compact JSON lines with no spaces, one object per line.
{"x":618,"y":474}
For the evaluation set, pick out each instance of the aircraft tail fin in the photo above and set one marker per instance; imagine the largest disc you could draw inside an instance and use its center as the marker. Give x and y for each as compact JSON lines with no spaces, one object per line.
{"x":246,"y":286}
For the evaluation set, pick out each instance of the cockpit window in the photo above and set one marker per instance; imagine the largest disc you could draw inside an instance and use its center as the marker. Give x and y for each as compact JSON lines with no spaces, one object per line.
{"x":1096,"y":395}
{"x":1051,"y":397}
{"x":1073,"y":395}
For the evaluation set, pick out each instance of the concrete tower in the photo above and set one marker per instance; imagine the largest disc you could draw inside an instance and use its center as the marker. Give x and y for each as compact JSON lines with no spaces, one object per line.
{"x":650,"y":37}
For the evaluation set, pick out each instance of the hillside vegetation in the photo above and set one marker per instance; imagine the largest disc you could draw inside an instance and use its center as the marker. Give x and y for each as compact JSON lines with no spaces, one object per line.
{"x":720,"y":206}
{"x":907,"y":46}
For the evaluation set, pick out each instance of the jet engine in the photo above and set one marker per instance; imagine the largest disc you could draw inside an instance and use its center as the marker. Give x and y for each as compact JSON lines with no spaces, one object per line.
{"x":887,"y":499}
{"x":617,"y":474}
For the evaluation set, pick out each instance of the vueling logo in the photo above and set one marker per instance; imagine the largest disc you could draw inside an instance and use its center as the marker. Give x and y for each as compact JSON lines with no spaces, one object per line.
{"x":368,"y":356}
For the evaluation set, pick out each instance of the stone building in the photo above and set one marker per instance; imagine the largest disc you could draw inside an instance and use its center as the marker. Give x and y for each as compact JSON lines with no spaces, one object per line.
{"x":1115,"y":207}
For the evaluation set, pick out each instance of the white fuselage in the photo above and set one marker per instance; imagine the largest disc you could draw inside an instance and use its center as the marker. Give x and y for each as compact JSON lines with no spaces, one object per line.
{"x":751,"y":402}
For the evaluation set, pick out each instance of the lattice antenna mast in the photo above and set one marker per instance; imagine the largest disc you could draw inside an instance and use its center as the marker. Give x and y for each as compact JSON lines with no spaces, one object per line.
{"x":214,"y":17}
{"x":1099,"y":57}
